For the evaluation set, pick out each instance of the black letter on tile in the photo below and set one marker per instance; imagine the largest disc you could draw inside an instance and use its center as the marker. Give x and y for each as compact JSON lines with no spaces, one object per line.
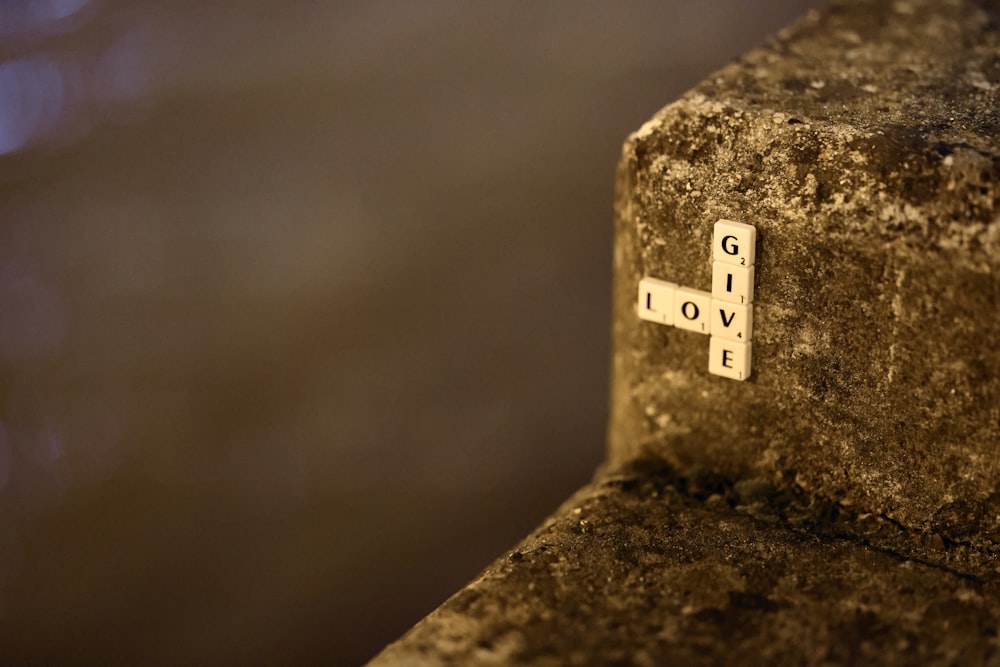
{"x":684,"y":310}
{"x":735,"y":250}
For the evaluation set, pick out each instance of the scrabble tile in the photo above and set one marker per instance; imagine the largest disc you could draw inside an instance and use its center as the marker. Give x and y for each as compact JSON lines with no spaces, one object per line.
{"x":732,"y":321}
{"x":734,"y":243}
{"x":729,"y":359}
{"x":692,"y":310}
{"x":656,"y":300}
{"x":732,"y":283}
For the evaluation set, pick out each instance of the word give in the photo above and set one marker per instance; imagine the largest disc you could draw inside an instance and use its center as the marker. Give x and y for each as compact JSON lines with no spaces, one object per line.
{"x":726,"y":313}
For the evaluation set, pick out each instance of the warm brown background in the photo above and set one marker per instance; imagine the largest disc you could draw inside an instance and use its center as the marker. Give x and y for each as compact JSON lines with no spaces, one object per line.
{"x":304,"y":305}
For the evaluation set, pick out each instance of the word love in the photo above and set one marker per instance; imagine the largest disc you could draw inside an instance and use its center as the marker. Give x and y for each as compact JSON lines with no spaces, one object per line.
{"x":726,"y":313}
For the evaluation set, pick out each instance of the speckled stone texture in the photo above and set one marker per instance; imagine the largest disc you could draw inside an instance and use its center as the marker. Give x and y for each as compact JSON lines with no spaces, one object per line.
{"x":864,"y":144}
{"x":641,"y":568}
{"x":842,"y":506}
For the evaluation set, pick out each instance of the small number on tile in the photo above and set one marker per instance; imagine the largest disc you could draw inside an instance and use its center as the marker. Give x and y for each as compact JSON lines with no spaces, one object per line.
{"x":729,"y":359}
{"x":732,"y":321}
{"x":732,"y":283}
{"x":734,"y":243}
{"x":692,"y":310}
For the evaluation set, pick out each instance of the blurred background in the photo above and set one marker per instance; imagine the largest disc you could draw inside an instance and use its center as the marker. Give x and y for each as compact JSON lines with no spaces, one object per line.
{"x":304,"y":306}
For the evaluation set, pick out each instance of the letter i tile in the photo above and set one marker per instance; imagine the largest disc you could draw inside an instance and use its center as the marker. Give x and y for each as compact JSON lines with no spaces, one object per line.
{"x":732,"y":283}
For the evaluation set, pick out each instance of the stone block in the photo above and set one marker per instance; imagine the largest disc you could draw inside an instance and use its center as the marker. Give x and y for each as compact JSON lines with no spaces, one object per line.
{"x":863,"y":146}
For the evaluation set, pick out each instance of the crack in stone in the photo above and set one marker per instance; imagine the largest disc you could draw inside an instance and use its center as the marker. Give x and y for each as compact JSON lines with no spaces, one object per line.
{"x":797,"y":510}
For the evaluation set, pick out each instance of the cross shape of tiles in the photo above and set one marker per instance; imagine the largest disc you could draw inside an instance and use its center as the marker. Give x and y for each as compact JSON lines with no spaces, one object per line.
{"x":725,"y":313}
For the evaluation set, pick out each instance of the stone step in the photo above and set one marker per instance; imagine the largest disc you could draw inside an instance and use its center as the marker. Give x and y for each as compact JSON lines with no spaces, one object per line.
{"x":643,"y":567}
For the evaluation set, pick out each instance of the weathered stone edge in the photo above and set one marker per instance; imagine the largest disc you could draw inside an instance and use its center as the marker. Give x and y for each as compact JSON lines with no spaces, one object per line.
{"x":495,"y":620}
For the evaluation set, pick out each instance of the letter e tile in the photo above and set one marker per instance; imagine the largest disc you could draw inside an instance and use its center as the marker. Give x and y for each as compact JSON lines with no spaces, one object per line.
{"x":656,"y":300}
{"x":729,"y":359}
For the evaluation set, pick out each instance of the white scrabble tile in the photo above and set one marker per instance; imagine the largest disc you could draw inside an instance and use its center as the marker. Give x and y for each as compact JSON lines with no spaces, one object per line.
{"x":734,"y":243}
{"x":729,"y":359}
{"x":732,"y":283}
{"x":732,"y":321}
{"x":656,"y":300}
{"x":692,"y":310}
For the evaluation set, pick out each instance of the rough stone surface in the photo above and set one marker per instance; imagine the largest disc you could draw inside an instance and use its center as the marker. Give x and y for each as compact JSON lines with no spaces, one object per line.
{"x":864,"y":144}
{"x":843,"y":505}
{"x":646,"y":568}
